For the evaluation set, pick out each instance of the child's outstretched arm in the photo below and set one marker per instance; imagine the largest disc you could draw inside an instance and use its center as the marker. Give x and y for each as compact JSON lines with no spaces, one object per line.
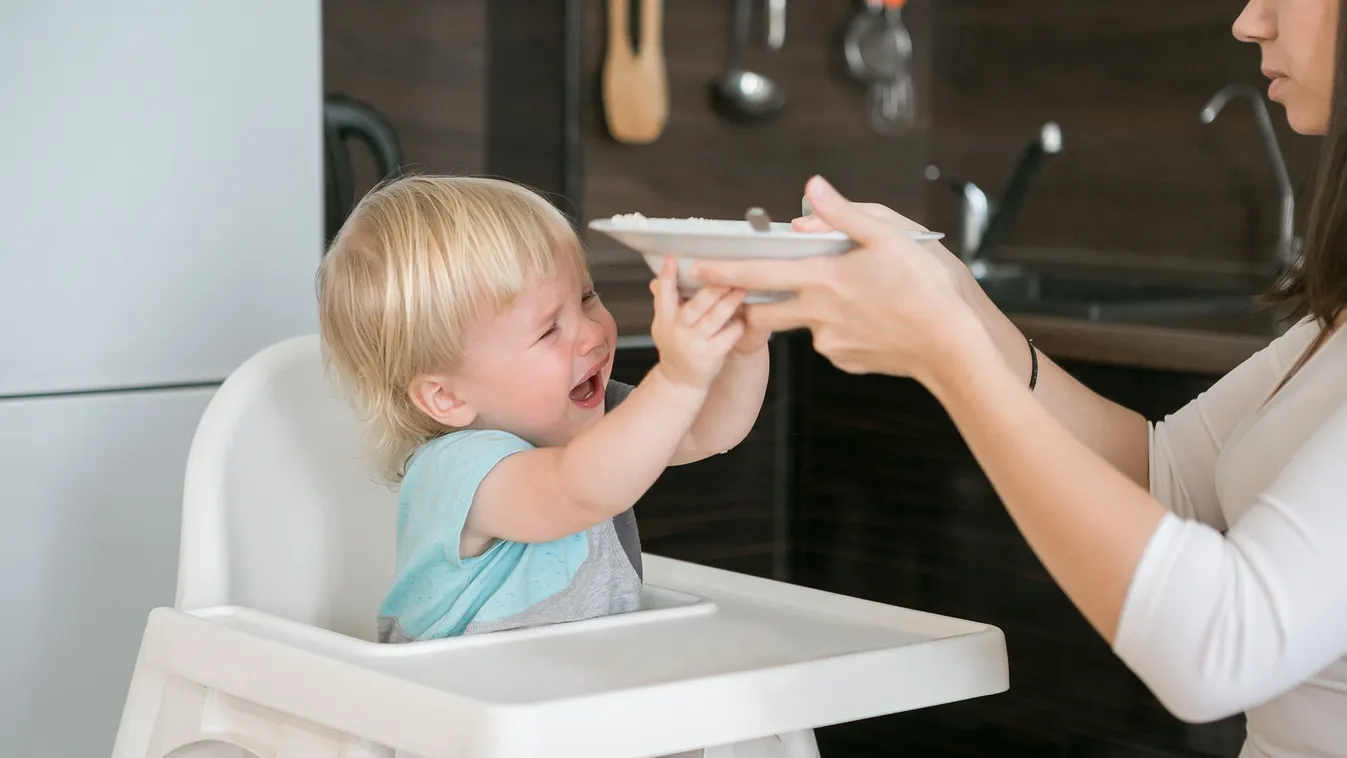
{"x":544,"y":494}
{"x":733,"y":402}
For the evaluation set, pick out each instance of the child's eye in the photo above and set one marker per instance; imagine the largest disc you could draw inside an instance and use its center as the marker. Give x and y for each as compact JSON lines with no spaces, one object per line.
{"x":588,"y":296}
{"x":551,"y":330}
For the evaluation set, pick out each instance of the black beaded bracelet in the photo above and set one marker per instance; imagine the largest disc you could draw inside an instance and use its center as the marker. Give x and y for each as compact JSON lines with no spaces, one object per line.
{"x":1033,"y":366}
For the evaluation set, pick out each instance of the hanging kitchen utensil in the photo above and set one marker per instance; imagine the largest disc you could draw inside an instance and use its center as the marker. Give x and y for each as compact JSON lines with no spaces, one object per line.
{"x":860,"y":27}
{"x":738,"y":93}
{"x":878,"y":52}
{"x":776,"y":24}
{"x":892,"y":108}
{"x":635,"y":82}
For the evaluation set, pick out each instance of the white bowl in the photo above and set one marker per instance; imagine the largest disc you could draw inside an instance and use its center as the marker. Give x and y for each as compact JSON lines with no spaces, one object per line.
{"x":689,"y":240}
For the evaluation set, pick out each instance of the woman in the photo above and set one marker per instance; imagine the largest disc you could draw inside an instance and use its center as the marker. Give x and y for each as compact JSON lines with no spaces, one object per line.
{"x":1209,"y":550}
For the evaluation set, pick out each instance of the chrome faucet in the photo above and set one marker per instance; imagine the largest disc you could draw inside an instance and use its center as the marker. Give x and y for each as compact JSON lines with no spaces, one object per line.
{"x":1288,"y":245}
{"x":975,"y":211}
{"x":984,"y":225}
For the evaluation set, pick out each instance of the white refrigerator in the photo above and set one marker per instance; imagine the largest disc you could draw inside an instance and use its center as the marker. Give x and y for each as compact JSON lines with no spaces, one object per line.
{"x":161,"y":219}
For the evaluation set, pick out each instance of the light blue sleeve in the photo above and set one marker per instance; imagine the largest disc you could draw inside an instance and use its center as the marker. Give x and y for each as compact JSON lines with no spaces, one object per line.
{"x":439,"y":487}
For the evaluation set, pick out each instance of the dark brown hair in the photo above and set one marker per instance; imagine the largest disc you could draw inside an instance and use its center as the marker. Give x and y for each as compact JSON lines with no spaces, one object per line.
{"x":1317,"y":286}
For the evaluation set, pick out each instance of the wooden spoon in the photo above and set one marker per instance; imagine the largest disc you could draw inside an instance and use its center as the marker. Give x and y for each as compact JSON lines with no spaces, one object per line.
{"x":635,"y":85}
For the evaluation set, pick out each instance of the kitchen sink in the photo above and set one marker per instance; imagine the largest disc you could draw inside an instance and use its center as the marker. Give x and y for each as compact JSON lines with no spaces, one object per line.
{"x":1139,"y":311}
{"x":1117,"y":298}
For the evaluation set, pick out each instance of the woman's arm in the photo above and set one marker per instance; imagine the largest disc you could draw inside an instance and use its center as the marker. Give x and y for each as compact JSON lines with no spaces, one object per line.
{"x":1117,"y":434}
{"x":1112,"y":431}
{"x":893,"y":306}
{"x":1213,"y":624}
{"x":1174,"y":459}
{"x":1088,"y":522}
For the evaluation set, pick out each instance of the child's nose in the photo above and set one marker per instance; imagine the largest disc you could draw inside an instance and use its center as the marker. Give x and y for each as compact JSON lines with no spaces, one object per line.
{"x":591,"y":336}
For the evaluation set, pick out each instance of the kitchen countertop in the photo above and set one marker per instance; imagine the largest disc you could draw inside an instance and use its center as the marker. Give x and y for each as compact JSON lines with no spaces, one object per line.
{"x":1188,"y":346}
{"x":1211,"y":345}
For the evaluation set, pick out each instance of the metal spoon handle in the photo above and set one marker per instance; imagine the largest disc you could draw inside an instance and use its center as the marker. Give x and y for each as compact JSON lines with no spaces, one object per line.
{"x":758,"y":219}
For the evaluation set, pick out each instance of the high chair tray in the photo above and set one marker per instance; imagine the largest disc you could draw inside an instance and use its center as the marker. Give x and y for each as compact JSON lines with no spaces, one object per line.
{"x":715,"y":657}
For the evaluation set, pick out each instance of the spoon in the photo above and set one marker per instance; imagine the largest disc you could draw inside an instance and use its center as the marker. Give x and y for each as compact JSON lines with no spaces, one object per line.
{"x":758,"y":219}
{"x":741,"y":93}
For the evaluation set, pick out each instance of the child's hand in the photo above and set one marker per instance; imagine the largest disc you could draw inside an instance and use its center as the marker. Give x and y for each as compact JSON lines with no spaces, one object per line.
{"x":693,"y":338}
{"x":752,"y":341}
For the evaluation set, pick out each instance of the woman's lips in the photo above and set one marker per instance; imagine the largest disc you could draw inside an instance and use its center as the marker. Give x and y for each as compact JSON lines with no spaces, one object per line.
{"x":1278,"y":82}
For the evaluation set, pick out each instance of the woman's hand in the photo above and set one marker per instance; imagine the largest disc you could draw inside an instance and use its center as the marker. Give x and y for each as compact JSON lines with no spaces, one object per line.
{"x":890,"y":306}
{"x":815,"y":224}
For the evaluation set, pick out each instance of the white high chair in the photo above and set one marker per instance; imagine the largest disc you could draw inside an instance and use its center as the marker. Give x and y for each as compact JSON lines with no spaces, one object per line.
{"x":288,"y":545}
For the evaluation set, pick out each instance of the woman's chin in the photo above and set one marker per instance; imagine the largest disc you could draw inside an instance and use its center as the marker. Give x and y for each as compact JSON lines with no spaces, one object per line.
{"x":1308,"y":121}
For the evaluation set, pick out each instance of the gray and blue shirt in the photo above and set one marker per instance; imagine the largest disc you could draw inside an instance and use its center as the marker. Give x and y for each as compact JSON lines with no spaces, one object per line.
{"x":437,"y":593}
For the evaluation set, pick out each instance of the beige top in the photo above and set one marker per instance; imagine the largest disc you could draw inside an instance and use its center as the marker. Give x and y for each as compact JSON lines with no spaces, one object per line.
{"x":1254,"y":619}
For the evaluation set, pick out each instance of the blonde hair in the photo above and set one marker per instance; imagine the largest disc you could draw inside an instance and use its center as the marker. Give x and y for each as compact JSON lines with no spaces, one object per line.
{"x":417,"y":262}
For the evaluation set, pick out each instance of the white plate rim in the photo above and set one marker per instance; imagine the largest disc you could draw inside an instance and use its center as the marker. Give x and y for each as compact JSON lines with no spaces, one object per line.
{"x":696,"y":229}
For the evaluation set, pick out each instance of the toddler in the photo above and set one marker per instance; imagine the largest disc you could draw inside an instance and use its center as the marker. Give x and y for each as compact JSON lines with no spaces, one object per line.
{"x":460,"y":314}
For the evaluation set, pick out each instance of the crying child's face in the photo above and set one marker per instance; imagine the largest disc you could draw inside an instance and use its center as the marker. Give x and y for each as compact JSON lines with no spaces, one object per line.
{"x":539,"y":369}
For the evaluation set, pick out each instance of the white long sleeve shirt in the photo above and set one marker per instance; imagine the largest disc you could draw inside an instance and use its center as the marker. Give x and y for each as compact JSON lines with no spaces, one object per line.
{"x":1254,"y":619}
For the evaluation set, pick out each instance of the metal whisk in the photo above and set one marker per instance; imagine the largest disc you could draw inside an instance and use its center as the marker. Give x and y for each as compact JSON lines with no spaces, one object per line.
{"x":878,"y":51}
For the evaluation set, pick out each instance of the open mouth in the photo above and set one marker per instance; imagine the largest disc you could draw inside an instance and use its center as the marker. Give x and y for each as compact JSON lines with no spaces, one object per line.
{"x":588,"y":393}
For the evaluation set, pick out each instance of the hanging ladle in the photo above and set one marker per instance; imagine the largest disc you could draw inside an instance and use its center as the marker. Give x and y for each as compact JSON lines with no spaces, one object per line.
{"x":740,"y":93}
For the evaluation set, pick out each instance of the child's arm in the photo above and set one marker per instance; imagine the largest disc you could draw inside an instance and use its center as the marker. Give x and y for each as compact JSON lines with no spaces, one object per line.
{"x":544,"y":494}
{"x":732,"y":404}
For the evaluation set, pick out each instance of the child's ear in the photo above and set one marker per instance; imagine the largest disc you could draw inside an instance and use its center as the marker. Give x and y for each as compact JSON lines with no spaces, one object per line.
{"x":435,"y":397}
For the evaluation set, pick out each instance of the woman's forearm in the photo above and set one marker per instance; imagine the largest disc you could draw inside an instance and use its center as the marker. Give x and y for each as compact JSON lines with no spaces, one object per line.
{"x":1115,"y":433}
{"x":1088,"y":523}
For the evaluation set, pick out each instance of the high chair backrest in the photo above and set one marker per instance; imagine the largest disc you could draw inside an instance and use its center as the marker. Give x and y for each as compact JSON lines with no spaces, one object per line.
{"x":282,"y":509}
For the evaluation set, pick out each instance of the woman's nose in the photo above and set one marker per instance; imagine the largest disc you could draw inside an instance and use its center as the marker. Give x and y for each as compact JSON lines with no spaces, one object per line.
{"x":1257,"y":22}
